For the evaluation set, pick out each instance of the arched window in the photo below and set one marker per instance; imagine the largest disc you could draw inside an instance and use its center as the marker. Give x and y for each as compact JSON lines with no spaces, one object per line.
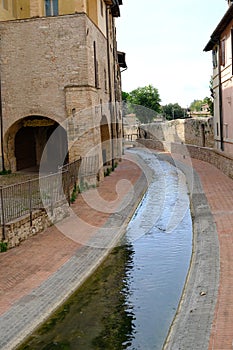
{"x":51,"y":8}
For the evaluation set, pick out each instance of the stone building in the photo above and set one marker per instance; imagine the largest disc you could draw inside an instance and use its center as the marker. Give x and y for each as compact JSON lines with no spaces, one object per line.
{"x":221,"y":45}
{"x":60,"y":75}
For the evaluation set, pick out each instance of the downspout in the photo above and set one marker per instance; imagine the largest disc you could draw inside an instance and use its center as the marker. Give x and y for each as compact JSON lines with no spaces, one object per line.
{"x":1,"y":123}
{"x":220,"y":100}
{"x":109,"y":82}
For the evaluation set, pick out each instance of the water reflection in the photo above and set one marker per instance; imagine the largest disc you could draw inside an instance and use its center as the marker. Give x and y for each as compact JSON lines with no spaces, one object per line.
{"x":155,"y":281}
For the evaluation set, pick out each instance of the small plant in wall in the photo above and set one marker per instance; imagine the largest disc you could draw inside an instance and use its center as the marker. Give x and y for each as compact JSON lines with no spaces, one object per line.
{"x":5,"y":172}
{"x":74,"y":194}
{"x":107,"y":172}
{"x":3,"y":247}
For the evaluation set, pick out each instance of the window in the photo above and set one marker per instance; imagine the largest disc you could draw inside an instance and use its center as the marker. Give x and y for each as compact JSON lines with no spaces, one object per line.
{"x":51,"y":7}
{"x":5,"y":4}
{"x":222,"y":53}
{"x":215,"y":57}
{"x":96,"y":66}
{"x":102,"y":7}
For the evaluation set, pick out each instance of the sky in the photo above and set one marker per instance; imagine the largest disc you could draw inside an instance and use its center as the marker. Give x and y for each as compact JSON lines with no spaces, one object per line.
{"x":164,"y":41}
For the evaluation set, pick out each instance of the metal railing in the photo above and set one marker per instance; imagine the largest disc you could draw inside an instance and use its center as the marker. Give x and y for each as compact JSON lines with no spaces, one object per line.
{"x":43,"y":192}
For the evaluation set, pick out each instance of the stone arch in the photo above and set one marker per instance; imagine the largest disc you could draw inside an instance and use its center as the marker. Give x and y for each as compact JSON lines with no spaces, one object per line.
{"x":105,"y":140}
{"x":27,"y":140}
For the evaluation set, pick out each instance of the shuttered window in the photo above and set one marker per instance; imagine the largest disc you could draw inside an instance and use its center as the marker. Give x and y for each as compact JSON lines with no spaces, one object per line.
{"x":222,"y":53}
{"x":215,"y":57}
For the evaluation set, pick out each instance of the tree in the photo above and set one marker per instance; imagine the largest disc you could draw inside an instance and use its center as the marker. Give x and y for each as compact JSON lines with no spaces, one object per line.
{"x":209,"y":101}
{"x":195,"y":106}
{"x":174,"y":111}
{"x":125,"y":96}
{"x":144,"y":102}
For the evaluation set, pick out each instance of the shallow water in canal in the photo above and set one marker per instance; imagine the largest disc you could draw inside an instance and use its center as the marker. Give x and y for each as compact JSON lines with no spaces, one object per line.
{"x":131,"y":300}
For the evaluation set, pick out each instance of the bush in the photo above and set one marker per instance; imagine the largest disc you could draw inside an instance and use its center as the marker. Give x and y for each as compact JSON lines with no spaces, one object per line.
{"x":3,"y":247}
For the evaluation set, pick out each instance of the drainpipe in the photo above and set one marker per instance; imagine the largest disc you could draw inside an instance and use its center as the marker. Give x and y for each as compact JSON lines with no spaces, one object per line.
{"x":220,"y":100}
{"x":109,"y":82}
{"x":1,"y":127}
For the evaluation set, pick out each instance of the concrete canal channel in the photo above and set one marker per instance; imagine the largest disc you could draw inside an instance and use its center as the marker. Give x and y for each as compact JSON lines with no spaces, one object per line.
{"x":133,"y":297}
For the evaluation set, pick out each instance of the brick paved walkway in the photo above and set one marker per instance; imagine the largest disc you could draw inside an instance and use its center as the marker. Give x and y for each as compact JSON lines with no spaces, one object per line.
{"x":219,"y":192}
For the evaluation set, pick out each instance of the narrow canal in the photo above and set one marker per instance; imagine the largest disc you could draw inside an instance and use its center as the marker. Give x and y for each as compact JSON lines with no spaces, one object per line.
{"x":131,"y":300}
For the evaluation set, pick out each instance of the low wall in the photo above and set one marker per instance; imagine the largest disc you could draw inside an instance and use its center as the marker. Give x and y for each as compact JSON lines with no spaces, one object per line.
{"x":19,"y":230}
{"x":220,"y":160}
{"x":194,"y":131}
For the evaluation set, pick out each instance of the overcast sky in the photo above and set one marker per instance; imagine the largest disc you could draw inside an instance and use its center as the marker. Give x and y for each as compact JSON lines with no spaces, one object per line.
{"x":164,"y":41}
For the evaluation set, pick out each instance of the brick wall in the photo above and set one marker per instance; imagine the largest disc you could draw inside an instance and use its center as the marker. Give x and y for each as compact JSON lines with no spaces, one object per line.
{"x":48,"y":70}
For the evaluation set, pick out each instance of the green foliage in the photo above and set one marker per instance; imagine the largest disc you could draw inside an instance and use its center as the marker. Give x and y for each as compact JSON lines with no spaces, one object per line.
{"x":3,"y":247}
{"x":144,"y":102}
{"x":5,"y":172}
{"x":125,"y":96}
{"x":174,"y":111}
{"x":107,"y":172}
{"x":195,"y":106}
{"x":74,"y":194}
{"x":210,"y":104}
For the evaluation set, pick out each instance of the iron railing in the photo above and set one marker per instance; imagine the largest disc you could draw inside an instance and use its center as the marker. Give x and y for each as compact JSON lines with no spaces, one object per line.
{"x":43,"y":192}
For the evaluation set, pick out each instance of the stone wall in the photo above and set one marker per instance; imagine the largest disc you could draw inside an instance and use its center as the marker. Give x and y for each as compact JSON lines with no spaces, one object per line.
{"x":195,"y":131}
{"x":24,"y":227}
{"x":219,"y":159}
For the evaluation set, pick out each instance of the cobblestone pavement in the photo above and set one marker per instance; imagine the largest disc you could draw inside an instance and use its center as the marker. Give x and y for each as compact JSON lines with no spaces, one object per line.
{"x":39,"y":274}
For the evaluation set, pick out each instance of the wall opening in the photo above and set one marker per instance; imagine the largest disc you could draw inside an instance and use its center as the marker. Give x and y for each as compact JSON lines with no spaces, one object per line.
{"x":34,"y":140}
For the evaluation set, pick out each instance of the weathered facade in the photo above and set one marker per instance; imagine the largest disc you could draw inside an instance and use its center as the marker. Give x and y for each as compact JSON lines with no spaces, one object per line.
{"x":59,"y":67}
{"x":191,"y":131}
{"x":221,"y":45}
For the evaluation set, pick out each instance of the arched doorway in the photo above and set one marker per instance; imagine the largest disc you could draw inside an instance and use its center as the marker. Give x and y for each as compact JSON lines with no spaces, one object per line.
{"x":105,"y":141}
{"x":37,"y":139}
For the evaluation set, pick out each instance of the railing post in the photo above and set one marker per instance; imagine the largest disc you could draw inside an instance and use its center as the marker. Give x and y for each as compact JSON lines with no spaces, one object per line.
{"x":68,"y":186}
{"x":51,"y":196}
{"x":30,"y":201}
{"x":3,"y":216}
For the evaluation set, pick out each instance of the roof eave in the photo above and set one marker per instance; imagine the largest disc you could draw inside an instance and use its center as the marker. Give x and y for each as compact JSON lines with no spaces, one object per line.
{"x":227,"y":18}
